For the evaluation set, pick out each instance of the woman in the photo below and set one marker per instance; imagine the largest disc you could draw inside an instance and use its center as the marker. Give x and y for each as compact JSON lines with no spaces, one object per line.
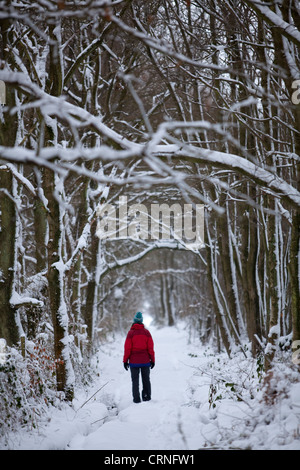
{"x":139,"y":356}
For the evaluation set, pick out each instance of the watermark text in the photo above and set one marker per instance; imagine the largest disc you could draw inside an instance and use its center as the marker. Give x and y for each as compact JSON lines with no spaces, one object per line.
{"x":2,"y":92}
{"x":296,"y":93}
{"x":2,"y":351}
{"x":296,"y":353}
{"x":183,"y":223}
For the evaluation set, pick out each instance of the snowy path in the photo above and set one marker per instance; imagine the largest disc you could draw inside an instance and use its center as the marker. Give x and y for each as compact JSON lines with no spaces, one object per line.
{"x":111,"y":421}
{"x":158,"y":424}
{"x":179,"y":416}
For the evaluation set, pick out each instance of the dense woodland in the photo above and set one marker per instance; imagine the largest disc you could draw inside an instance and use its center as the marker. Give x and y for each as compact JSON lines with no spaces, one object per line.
{"x":169,"y":101}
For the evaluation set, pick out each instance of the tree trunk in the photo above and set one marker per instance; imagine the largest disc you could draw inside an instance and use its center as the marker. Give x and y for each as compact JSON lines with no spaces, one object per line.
{"x":227,"y":268}
{"x":56,"y":272}
{"x":40,"y":228}
{"x":8,"y":129}
{"x":249,"y":265}
{"x":91,"y":285}
{"x":220,"y":319}
{"x":56,"y":277}
{"x":8,"y":326}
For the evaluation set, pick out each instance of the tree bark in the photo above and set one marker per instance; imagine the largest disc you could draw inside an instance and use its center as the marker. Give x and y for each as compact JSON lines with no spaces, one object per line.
{"x":8,"y":326}
{"x":8,"y":129}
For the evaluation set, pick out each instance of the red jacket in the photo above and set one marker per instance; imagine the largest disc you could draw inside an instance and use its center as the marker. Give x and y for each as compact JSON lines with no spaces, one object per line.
{"x":138,"y":347}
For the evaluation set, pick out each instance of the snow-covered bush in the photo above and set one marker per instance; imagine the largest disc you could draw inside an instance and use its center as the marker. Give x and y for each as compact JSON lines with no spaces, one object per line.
{"x":27,"y":386}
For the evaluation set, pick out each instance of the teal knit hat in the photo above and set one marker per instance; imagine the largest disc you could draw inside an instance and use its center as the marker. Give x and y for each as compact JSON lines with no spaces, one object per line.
{"x":138,"y":318}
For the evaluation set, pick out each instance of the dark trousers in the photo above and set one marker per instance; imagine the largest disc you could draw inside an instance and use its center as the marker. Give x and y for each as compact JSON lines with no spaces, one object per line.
{"x":146,"y":391}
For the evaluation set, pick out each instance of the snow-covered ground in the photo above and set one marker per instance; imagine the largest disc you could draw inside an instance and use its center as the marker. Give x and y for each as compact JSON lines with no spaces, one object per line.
{"x":199,"y":400}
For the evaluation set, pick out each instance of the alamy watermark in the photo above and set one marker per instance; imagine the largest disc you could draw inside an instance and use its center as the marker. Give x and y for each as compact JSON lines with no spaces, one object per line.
{"x":296,"y":93}
{"x":182,"y":223}
{"x":296,"y":353}
{"x":2,"y":351}
{"x":2,"y":92}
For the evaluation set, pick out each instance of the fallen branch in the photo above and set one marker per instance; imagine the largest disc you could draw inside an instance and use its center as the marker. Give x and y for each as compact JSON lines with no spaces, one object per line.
{"x":92,"y":396}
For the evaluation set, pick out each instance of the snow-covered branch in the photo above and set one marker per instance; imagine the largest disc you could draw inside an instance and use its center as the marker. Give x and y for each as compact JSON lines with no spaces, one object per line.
{"x":288,"y":30}
{"x":18,"y":301}
{"x":125,"y":149}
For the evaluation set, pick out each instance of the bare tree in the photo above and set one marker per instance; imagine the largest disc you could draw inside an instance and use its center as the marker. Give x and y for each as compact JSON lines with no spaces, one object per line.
{"x":128,"y":97}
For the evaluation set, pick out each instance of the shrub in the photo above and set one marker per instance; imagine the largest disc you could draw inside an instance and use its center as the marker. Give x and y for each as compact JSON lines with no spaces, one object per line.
{"x":27,"y":386}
